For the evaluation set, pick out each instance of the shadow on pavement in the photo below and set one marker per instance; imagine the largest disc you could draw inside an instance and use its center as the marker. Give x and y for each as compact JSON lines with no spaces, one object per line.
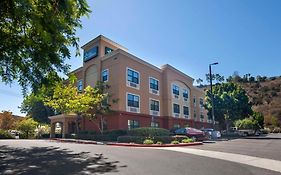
{"x":52,"y":160}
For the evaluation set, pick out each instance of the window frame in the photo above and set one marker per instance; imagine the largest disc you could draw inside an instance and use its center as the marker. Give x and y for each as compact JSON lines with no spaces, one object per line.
{"x":105,"y":70}
{"x":134,"y":126}
{"x":127,"y":79}
{"x":178,"y":108}
{"x":150,"y":103}
{"x":173,"y":91}
{"x":152,"y":78}
{"x":183,"y":92}
{"x":183,"y":108}
{"x":80,"y":85}
{"x":127,"y":100}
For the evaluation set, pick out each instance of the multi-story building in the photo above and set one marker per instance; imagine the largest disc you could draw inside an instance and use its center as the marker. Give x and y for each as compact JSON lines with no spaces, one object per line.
{"x":147,"y":95}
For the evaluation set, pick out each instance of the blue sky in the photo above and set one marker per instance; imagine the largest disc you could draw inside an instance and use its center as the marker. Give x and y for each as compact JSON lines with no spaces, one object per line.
{"x":242,"y":35}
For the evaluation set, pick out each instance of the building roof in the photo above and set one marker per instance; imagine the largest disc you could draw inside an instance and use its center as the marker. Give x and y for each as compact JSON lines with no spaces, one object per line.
{"x":101,"y":37}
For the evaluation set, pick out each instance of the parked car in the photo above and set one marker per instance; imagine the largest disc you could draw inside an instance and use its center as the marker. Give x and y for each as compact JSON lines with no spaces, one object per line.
{"x":213,"y":134}
{"x":192,"y":133}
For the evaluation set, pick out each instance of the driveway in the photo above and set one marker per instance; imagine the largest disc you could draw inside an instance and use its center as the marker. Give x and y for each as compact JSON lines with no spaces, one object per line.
{"x":49,"y":157}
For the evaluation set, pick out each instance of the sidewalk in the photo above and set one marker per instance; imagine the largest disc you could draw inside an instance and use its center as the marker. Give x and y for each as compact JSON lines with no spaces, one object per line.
{"x":266,"y":136}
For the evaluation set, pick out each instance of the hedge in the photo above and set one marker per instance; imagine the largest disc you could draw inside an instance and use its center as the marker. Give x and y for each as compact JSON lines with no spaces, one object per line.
{"x":92,"y":135}
{"x":149,"y":132}
{"x":140,"y":139}
{"x":5,"y":135}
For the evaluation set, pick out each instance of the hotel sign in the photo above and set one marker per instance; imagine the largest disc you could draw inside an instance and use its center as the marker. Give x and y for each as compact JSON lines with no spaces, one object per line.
{"x":90,"y":54}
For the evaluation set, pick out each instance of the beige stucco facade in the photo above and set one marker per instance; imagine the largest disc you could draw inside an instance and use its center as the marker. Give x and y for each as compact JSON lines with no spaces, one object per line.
{"x":119,"y":61}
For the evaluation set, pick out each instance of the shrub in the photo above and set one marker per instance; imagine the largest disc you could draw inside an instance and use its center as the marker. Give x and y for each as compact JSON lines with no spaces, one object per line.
{"x":149,"y":132}
{"x":140,"y":139}
{"x":175,"y":142}
{"x":42,"y":131}
{"x":188,"y":140}
{"x":5,"y":135}
{"x":106,"y":136}
{"x":148,"y":141}
{"x":159,"y":142}
{"x":265,"y":131}
{"x":27,"y":127}
{"x":131,"y":139}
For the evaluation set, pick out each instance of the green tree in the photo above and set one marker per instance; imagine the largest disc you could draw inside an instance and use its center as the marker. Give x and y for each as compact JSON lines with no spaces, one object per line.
{"x":33,"y":103}
{"x":259,"y":118}
{"x":67,"y":99}
{"x":102,"y":107}
{"x":27,"y":127}
{"x":36,"y":37}
{"x":246,"y":123}
{"x":230,"y":103}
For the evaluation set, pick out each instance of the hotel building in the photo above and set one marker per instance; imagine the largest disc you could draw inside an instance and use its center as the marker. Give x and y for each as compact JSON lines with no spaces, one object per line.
{"x":147,"y":95}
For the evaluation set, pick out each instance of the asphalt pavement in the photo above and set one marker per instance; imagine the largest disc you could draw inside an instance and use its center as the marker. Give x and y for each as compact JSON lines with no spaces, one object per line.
{"x":49,"y":157}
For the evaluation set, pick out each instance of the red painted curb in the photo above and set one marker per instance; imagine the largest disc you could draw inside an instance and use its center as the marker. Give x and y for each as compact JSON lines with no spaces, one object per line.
{"x":155,"y":145}
{"x":128,"y":144}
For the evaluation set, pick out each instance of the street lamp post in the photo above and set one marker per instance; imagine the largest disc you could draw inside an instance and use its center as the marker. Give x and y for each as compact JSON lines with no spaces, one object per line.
{"x":212,"y":95}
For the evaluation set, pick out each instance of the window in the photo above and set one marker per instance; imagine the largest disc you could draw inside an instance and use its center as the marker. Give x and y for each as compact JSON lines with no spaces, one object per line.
{"x":80,"y":85}
{"x":176,"y":108}
{"x":133,"y":100}
{"x":194,"y":101}
{"x":185,"y":93}
{"x":132,"y":76}
{"x":185,"y":110}
{"x":154,"y":84}
{"x":201,"y":102}
{"x":176,"y":90}
{"x":92,"y":53}
{"x":107,"y":50}
{"x":201,"y":116}
{"x":154,"y":105}
{"x":133,"y":124}
{"x":105,"y":75}
{"x":155,"y":124}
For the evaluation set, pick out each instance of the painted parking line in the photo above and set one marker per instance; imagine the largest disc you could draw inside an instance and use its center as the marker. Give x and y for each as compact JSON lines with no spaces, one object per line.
{"x":270,"y":164}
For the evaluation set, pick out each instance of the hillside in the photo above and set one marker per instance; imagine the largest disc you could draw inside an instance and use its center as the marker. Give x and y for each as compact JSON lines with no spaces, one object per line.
{"x":265,"y":96}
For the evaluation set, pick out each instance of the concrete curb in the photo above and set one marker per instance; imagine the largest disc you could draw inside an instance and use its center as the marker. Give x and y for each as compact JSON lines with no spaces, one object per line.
{"x":263,"y":138}
{"x":124,"y":144}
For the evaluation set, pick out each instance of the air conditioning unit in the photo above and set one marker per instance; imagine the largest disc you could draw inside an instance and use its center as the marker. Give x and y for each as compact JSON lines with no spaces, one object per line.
{"x":176,"y":96}
{"x":133,"y":84}
{"x":176,"y":115}
{"x":185,"y":116}
{"x":133,"y":109}
{"x":185,"y":99}
{"x":153,"y":91}
{"x":155,"y":113}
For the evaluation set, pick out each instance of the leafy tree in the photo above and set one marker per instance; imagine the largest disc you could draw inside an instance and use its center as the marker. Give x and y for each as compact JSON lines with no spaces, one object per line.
{"x":259,"y":118}
{"x":67,"y":99}
{"x":33,"y":103}
{"x":27,"y":126}
{"x":36,"y":36}
{"x":252,"y":79}
{"x":230,"y":103}
{"x":7,"y":120}
{"x":103,"y":107}
{"x":216,"y":77}
{"x":246,"y":123}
